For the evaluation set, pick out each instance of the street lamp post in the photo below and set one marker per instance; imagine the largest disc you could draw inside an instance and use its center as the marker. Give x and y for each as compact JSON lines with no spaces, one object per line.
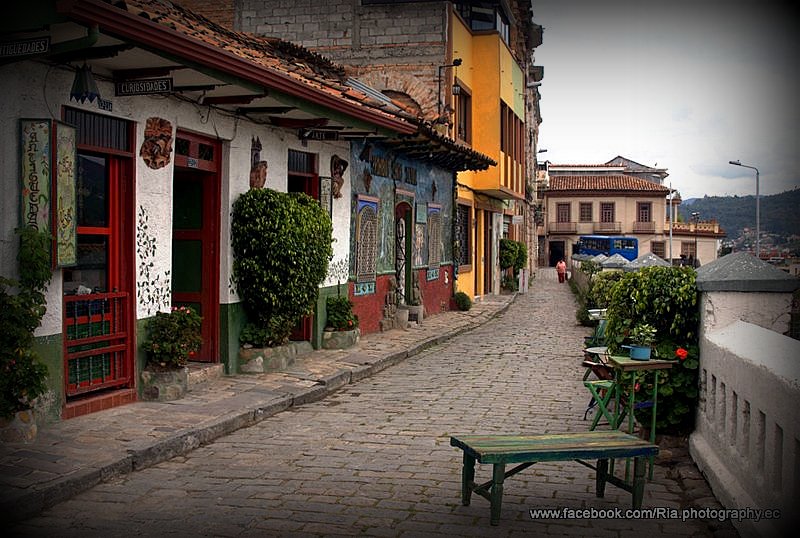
{"x":456,"y":63}
{"x":671,"y":218}
{"x":758,"y":209}
{"x":696,"y":219}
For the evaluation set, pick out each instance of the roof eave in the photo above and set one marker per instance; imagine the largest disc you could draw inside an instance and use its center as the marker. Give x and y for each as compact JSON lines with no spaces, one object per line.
{"x":144,"y":32}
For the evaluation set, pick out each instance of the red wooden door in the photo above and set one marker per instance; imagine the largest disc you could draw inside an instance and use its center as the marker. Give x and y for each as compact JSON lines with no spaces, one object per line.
{"x":195,"y":236}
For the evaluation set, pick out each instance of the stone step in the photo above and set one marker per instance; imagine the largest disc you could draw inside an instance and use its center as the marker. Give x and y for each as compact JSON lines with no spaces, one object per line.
{"x":204,"y":372}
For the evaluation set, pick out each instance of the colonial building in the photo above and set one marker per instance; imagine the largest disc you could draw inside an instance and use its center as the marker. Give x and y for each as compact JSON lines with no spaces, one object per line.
{"x":465,"y":66}
{"x":133,"y":128}
{"x":619,"y":198}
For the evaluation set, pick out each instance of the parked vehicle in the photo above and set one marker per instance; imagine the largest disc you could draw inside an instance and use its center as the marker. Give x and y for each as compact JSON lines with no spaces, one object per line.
{"x":627,"y":247}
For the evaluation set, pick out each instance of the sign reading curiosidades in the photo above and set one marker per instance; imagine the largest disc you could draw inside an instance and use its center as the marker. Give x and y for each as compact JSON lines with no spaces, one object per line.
{"x":146,"y":86}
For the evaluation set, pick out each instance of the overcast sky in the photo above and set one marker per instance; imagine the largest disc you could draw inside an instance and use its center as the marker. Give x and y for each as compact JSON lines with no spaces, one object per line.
{"x":684,"y":85}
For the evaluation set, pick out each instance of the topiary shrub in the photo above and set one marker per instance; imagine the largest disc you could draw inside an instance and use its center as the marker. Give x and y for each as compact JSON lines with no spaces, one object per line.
{"x":508,"y":253}
{"x":463,"y":302}
{"x":281,"y":247}
{"x":667,"y":299}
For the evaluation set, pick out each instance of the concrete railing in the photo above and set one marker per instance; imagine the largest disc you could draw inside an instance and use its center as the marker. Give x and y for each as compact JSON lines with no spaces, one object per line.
{"x":747,"y":435}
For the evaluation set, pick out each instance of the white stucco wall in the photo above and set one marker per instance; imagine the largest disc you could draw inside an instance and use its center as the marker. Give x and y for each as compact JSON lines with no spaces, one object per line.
{"x":40,"y":91}
{"x":769,"y":310}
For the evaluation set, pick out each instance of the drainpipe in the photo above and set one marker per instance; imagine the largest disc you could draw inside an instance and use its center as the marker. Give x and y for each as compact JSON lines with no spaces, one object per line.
{"x":77,"y":44}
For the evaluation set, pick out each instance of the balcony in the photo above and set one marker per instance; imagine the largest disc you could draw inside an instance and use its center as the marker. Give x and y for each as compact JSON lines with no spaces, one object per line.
{"x":607,"y":227}
{"x":562,"y":227}
{"x":644,"y":227}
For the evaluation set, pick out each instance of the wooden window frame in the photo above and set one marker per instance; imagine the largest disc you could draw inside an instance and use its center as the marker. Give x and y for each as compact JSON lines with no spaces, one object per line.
{"x":582,"y":217}
{"x":608,"y":211}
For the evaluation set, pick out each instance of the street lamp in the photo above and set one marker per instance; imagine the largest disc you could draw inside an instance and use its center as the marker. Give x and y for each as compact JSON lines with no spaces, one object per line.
{"x":456,"y":63}
{"x":696,"y":219}
{"x":758,"y":209}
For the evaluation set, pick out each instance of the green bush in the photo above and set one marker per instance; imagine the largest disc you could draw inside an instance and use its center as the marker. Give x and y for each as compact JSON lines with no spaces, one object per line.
{"x":340,"y":313}
{"x":281,"y":246}
{"x":463,"y":302}
{"x":22,"y":376}
{"x":513,"y":254}
{"x":172,"y":337}
{"x":510,"y":283}
{"x":508,"y":253}
{"x":667,"y":299}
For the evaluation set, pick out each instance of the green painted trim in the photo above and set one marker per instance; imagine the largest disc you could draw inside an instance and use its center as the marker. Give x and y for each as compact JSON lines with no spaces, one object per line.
{"x":50,"y":353}
{"x":320,"y":313}
{"x":232,"y":318}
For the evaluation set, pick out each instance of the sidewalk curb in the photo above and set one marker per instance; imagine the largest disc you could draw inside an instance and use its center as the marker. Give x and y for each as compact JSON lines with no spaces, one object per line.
{"x":31,"y":503}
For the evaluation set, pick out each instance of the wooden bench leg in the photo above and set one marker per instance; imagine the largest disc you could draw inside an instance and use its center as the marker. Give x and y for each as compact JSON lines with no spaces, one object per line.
{"x":498,"y":476}
{"x":467,"y":478}
{"x":639,"y":466}
{"x":600,"y":479}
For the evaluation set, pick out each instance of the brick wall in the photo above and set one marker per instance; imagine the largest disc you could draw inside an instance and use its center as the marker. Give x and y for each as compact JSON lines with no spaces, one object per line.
{"x":408,"y":40}
{"x":220,"y":11}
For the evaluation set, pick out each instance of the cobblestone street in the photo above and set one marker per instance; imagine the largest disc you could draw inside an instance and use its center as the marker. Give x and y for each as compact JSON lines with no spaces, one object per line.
{"x":374,"y":458}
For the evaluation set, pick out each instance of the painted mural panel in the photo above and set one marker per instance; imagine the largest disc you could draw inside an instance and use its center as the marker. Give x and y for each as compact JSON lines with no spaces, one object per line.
{"x":36,"y":150}
{"x":66,"y":170}
{"x":392,"y":179}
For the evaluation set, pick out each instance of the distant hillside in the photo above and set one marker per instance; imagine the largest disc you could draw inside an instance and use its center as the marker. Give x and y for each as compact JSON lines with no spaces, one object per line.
{"x":780,"y":213}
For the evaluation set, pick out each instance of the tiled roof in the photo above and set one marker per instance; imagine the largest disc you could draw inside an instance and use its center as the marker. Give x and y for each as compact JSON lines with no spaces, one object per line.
{"x":275,"y":55}
{"x":595,"y":165}
{"x":605,"y":183}
{"x":268,"y":62}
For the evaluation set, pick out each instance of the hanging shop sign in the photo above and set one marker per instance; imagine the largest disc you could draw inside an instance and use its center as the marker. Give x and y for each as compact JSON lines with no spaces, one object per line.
{"x":24,"y":47}
{"x":48,"y":173}
{"x":36,"y":160}
{"x":148,"y":86}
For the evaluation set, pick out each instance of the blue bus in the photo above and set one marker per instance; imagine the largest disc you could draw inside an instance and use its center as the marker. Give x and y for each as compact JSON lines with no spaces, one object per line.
{"x":627,"y":247}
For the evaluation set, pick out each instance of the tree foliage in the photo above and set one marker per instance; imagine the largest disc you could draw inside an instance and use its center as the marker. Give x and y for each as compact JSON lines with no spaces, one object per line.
{"x":281,"y":246}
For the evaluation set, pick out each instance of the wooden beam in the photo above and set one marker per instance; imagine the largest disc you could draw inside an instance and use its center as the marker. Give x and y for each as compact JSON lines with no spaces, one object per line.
{"x":230,"y":99}
{"x":145,"y":72}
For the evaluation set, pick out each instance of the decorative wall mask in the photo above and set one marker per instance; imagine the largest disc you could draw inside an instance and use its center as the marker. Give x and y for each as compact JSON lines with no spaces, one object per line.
{"x":157,"y":146}
{"x":338,"y":166}
{"x":258,"y":175}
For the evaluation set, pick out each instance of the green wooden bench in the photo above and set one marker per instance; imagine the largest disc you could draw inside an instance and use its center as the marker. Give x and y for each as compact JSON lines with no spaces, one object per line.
{"x":526,"y":450}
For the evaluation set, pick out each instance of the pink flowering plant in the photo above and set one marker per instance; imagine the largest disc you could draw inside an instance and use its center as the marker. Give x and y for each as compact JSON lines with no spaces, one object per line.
{"x":172,"y":337}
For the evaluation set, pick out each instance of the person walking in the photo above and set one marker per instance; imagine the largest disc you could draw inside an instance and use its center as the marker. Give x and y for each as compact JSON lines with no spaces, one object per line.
{"x":561,"y":269}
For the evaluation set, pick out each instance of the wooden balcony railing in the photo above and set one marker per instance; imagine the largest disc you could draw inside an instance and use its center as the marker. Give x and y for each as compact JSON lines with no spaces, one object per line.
{"x":562,"y":227}
{"x":644,"y":227}
{"x":608,"y":227}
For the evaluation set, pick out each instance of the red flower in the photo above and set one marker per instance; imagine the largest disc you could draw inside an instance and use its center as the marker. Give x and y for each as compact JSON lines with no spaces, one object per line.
{"x":636,"y":387}
{"x":681,"y":353}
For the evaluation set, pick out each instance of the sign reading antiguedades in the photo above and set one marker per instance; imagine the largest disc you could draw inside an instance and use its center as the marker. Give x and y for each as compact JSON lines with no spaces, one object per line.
{"x":146,"y":86}
{"x":24,"y":47}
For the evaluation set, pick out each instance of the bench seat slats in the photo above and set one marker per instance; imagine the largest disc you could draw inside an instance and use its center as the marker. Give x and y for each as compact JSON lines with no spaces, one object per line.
{"x":555,"y":447}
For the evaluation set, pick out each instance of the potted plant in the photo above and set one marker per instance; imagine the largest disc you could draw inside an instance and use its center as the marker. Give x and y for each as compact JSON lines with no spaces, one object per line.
{"x":172,"y":338}
{"x":642,"y":337}
{"x":341,"y":330}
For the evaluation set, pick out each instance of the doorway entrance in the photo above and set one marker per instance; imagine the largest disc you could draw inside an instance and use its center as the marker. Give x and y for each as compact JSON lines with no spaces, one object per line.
{"x":195,"y":236}
{"x":557,"y":249}
{"x":402,"y":250}
{"x":303,"y":177}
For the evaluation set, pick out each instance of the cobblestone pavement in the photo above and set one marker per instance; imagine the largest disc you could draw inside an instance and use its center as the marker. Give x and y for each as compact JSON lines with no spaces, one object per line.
{"x":374,"y":458}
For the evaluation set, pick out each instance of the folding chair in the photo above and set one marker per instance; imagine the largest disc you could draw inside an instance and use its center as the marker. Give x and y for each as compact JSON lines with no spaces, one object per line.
{"x":598,"y":338}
